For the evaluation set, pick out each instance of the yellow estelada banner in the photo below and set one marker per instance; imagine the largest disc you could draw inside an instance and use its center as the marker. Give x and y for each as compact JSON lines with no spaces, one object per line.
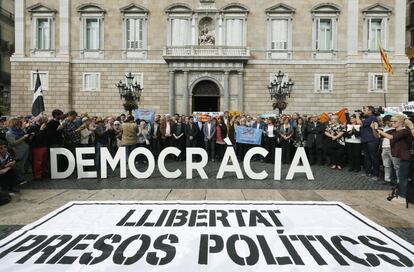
{"x":385,"y":61}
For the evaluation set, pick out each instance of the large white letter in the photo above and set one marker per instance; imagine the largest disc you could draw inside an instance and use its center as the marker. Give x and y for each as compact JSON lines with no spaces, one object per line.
{"x":278,"y":164}
{"x":235,"y":167}
{"x":81,"y":162}
{"x":120,"y":157}
{"x":198,"y":166}
{"x":246,"y":163}
{"x":53,"y":163}
{"x":161,"y":158}
{"x":151,"y":163}
{"x":296,"y":168}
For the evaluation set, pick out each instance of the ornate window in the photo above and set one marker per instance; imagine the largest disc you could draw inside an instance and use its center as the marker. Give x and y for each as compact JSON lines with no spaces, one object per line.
{"x":43,"y":30}
{"x":375,"y":26}
{"x":279,"y":31}
{"x":324,"y":30}
{"x":179,"y":25}
{"x":91,"y":30}
{"x":134,"y":31}
{"x":235,"y":24}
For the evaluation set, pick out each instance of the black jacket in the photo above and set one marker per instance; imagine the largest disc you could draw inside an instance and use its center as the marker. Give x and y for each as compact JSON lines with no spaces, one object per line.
{"x":314,"y":134}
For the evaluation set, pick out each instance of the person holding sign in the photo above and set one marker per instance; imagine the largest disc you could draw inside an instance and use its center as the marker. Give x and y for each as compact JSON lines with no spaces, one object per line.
{"x":143,"y":139}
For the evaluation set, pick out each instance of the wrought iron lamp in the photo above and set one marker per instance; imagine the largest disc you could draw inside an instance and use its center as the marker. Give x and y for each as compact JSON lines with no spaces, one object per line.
{"x":130,"y":92}
{"x":279,"y":88}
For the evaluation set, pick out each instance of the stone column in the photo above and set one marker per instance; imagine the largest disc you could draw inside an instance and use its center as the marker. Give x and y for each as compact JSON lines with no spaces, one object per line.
{"x":185,"y":93}
{"x":400,"y":10}
{"x":64,"y":30}
{"x":171,"y":101}
{"x":19,"y":28}
{"x":352,"y":27}
{"x":240,"y":91}
{"x":226,"y":104}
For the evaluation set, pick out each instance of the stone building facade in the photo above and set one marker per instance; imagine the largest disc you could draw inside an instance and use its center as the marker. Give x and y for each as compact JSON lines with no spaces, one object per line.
{"x":206,"y":55}
{"x":6,"y":51}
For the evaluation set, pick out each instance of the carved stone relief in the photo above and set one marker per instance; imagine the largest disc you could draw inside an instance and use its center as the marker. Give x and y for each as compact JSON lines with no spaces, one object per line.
{"x":193,"y":76}
{"x":206,"y":30}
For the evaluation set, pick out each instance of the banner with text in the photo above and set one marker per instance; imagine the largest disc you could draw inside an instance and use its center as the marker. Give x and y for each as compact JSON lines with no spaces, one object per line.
{"x":205,"y":236}
{"x":248,"y":135}
{"x":147,"y":115}
{"x":409,"y":106}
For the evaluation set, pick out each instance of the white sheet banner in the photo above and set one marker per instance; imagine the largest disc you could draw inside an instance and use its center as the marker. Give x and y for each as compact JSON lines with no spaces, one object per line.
{"x":205,"y":236}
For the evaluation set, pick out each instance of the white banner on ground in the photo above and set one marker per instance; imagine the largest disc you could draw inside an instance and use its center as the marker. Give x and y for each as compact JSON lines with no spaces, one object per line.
{"x":205,"y":236}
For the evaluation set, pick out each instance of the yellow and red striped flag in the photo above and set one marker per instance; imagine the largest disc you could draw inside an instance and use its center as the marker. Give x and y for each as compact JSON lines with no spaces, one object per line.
{"x":385,"y":62}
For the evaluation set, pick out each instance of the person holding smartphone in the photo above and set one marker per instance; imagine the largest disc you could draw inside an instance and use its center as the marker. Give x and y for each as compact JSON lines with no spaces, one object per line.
{"x":401,"y":140}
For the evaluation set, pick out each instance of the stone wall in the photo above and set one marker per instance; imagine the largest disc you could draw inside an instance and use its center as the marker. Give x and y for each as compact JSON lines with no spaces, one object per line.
{"x":66,"y":87}
{"x":350,"y":87}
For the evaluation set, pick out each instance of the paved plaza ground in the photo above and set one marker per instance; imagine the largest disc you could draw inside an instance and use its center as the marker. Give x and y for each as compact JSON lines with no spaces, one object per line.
{"x":37,"y":198}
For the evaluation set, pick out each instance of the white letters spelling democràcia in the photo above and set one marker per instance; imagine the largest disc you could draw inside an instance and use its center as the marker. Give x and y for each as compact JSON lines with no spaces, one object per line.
{"x":300,"y":163}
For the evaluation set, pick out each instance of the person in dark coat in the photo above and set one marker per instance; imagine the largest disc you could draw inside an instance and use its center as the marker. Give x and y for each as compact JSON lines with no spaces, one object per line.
{"x":191,"y":133}
{"x":8,"y":173}
{"x":270,"y":139}
{"x":178,"y":138}
{"x":155,"y":136}
{"x":221,"y":134}
{"x":39,"y":145}
{"x":315,"y":133}
{"x":209,"y":131}
{"x":200,"y":133}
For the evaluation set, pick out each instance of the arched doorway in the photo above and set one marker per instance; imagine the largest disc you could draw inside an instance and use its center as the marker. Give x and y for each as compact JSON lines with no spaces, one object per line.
{"x":206,"y":96}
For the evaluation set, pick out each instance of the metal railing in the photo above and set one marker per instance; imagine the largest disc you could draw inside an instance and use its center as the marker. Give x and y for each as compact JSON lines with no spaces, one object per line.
{"x":205,"y":51}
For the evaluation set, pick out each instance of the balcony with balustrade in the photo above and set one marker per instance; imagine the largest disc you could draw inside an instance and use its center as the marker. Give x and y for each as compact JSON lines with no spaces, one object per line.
{"x":195,"y":52}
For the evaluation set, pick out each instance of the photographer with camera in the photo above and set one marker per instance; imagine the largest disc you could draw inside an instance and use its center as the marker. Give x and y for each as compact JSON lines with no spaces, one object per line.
{"x":8,"y":173}
{"x":401,"y":140}
{"x":370,"y":143}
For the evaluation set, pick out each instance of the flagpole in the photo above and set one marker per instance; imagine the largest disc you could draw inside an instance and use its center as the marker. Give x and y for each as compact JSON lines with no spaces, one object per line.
{"x":383,"y":77}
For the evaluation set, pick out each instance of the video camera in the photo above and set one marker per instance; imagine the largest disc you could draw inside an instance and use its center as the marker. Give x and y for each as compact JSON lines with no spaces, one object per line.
{"x":377,"y":111}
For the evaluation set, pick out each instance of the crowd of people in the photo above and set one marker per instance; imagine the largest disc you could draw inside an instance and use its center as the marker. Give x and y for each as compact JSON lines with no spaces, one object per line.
{"x":362,"y":141}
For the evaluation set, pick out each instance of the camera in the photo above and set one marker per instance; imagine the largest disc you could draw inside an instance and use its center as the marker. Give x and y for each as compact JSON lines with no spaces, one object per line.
{"x":377,"y":111}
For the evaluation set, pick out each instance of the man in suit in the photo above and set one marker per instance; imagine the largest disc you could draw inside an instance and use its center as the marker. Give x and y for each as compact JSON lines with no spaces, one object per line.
{"x":155,"y":136}
{"x":314,"y":141}
{"x":200,"y":134}
{"x":209,"y":131}
{"x":191,"y":133}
